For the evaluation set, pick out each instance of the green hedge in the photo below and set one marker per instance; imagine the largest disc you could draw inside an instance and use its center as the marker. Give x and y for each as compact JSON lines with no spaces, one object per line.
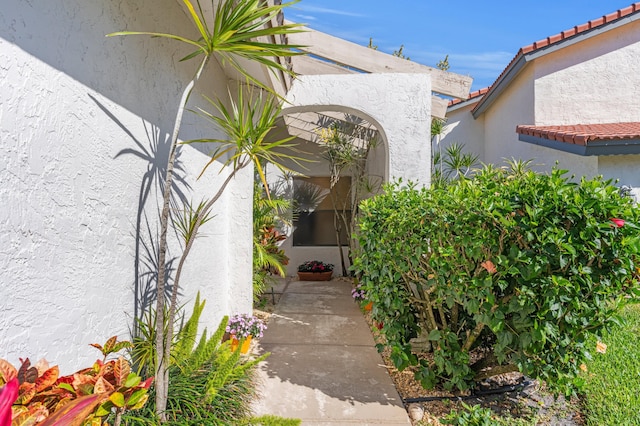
{"x":515,"y":267}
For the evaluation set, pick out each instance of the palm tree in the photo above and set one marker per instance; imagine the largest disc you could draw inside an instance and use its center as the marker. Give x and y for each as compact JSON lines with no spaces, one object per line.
{"x":238,"y":27}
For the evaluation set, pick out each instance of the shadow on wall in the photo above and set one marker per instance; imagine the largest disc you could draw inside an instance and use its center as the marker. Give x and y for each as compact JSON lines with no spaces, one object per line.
{"x":154,"y":152}
{"x":49,"y":31}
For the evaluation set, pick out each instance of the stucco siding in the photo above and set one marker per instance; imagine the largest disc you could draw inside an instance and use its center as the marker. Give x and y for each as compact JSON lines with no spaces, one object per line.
{"x":594,"y":81}
{"x":516,"y":106}
{"x":513,"y":107}
{"x":84,"y":123}
{"x":623,"y":170}
{"x":461,"y":128}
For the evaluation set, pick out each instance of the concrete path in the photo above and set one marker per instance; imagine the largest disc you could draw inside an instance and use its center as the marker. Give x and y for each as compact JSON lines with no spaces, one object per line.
{"x":324,"y":367}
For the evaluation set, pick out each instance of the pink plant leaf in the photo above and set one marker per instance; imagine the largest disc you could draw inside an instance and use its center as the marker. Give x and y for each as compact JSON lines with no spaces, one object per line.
{"x":8,"y":395}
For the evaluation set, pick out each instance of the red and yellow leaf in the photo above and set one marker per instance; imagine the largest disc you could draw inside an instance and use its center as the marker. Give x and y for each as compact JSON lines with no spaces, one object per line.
{"x":26,"y":393}
{"x":108,"y":346}
{"x":121,"y":370}
{"x":147,"y":383}
{"x":103,"y":386}
{"x":7,"y":371}
{"x":48,"y":378}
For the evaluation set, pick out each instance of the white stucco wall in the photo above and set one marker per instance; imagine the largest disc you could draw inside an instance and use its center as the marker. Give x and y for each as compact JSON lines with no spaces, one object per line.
{"x":623,"y":169}
{"x":398,"y":105}
{"x":594,"y":81}
{"x":495,"y":130}
{"x":83,"y":123}
{"x":462,"y":129}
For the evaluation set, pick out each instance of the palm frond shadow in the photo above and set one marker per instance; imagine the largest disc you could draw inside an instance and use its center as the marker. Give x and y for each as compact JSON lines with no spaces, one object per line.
{"x":155,"y":153}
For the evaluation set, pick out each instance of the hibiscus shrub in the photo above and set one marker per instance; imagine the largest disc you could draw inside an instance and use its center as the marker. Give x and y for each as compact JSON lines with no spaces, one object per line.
{"x":508,"y":270}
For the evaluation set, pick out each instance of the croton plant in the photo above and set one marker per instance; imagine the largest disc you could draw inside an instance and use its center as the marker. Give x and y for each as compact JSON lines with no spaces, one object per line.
{"x":38,"y":395}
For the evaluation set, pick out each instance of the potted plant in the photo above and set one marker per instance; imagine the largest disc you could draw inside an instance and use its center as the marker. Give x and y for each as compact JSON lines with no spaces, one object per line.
{"x":244,"y":327}
{"x":315,"y":270}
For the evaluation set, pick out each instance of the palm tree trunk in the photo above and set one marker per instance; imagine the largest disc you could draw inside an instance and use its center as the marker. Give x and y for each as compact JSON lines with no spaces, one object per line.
{"x":162,"y":360}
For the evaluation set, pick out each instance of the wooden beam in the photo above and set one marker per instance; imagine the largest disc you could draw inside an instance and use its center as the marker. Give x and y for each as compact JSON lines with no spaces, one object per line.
{"x":349,"y":54}
{"x":306,"y":65}
{"x":439,"y":107}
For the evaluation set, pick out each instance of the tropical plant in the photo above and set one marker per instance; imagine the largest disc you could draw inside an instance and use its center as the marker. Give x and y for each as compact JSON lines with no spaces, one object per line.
{"x":210,"y":383}
{"x":514,"y":268}
{"x":236,"y":32}
{"x":451,"y":165}
{"x":40,"y":394}
{"x":347,"y":146}
{"x":268,"y":258}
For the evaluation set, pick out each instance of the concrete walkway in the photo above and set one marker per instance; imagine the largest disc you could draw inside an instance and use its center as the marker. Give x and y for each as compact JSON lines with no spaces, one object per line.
{"x":324,"y":367}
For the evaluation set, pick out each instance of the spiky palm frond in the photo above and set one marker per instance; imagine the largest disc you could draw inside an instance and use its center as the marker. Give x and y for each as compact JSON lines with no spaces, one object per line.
{"x":247,"y":124}
{"x":238,"y":30}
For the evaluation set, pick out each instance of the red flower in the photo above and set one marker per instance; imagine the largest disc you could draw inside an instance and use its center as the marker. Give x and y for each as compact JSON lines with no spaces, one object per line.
{"x":618,"y":222}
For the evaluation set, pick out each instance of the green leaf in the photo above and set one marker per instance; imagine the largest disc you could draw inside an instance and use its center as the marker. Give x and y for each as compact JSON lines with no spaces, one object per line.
{"x":132,"y":380}
{"x":117,"y":398}
{"x":435,"y":335}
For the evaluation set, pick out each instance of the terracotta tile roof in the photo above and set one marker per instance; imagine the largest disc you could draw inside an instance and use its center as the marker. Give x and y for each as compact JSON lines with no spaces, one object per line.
{"x":472,"y":95}
{"x":564,"y":35}
{"x":594,"y":23}
{"x":583,"y":134}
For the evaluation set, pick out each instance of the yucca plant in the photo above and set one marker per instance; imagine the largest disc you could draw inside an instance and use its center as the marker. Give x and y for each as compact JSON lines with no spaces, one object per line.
{"x":237,"y":31}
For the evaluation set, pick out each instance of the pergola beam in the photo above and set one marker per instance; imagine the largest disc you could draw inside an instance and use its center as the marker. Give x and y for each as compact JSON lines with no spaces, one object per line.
{"x":353,"y":56}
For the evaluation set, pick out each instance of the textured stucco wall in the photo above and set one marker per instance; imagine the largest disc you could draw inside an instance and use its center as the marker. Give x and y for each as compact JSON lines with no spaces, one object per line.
{"x":594,"y":81}
{"x":623,"y":169}
{"x":399,"y":105}
{"x":462,"y":129}
{"x":84,"y":122}
{"x":494,"y":133}
{"x":517,"y":106}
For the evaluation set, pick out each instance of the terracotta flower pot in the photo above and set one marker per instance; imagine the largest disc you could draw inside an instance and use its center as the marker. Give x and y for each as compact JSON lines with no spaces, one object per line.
{"x":245,"y":345}
{"x":315,"y":276}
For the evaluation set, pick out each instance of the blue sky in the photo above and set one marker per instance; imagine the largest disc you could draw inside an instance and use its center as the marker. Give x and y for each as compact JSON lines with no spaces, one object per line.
{"x":480,"y":37}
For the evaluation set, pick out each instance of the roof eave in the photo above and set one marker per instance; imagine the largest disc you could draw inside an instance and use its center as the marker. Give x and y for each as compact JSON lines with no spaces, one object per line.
{"x":513,"y":69}
{"x":464,"y":104}
{"x":603,"y":147}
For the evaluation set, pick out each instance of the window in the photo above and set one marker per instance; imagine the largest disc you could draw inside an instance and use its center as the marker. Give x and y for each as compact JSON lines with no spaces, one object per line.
{"x":315,"y":216}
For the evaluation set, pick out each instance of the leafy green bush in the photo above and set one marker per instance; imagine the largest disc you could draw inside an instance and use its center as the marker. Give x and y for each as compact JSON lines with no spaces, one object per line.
{"x":471,"y":416}
{"x":518,"y":267}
